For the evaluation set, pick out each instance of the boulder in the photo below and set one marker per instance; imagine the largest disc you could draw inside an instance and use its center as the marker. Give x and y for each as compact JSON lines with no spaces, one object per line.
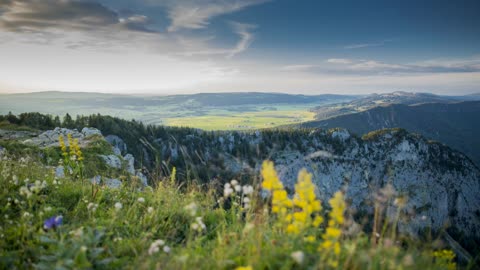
{"x":112,"y":161}
{"x":143,"y":178}
{"x":113,"y":183}
{"x":117,"y":142}
{"x":88,"y":131}
{"x":130,"y":163}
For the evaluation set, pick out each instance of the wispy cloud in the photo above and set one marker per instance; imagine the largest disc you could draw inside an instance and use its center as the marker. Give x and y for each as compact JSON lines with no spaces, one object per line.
{"x":246,"y":37}
{"x":366,"y":45}
{"x":196,"y":14}
{"x":373,"y":66}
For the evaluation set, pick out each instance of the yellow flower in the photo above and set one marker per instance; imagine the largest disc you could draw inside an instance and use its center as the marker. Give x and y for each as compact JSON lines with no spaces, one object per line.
{"x":331,"y":237}
{"x":307,"y":204}
{"x":244,"y":268}
{"x":271,"y":182}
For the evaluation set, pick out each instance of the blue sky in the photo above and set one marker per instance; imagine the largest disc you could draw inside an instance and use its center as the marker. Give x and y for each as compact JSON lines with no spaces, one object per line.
{"x":185,"y":46}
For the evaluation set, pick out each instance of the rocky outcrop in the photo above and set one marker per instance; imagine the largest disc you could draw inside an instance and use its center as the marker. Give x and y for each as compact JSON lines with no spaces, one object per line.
{"x":116,"y":161}
{"x":49,"y":138}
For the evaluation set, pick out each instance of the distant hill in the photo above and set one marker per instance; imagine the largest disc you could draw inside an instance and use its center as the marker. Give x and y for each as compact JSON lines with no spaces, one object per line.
{"x":15,"y":101}
{"x":455,"y":124}
{"x":375,"y":100}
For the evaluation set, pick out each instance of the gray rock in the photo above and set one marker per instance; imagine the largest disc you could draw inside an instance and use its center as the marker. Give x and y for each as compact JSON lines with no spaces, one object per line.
{"x":116,"y":151}
{"x":60,"y":172}
{"x":112,"y":161}
{"x":341,"y":134}
{"x":117,"y":142}
{"x":142,"y":178}
{"x":130,"y":163}
{"x":88,"y":131}
{"x":113,"y":183}
{"x":96,"y":180}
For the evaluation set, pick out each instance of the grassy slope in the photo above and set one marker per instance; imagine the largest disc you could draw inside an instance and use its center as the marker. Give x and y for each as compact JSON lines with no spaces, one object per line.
{"x":111,"y":237}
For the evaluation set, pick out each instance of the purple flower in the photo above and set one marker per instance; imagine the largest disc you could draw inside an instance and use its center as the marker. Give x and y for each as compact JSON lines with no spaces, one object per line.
{"x":52,"y":222}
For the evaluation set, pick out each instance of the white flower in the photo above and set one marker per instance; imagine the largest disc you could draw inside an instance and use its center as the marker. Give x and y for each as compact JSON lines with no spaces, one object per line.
{"x":48,"y":209}
{"x":192,"y":208}
{"x":246,"y":200}
{"x":247,"y":189}
{"x":118,"y":206}
{"x":227,"y":192}
{"x":93,"y":207}
{"x":154,"y":247}
{"x":234,"y":182}
{"x":166,"y":249}
{"x":238,"y":188}
{"x":150,"y":209}
{"x":298,"y":256}
{"x":141,"y":200}
{"x":159,"y":242}
{"x":83,"y":248}
{"x":195,"y":226}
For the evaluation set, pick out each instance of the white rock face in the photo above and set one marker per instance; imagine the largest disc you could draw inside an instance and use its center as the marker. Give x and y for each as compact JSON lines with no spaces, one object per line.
{"x":442,"y":186}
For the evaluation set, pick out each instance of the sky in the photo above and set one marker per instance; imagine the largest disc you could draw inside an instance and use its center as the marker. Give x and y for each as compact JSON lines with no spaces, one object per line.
{"x":190,"y":46}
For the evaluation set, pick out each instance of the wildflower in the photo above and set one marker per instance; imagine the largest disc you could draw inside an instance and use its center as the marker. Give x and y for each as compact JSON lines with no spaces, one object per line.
{"x":173,"y":175}
{"x":280,"y":200}
{"x":117,"y":239}
{"x":307,"y":203}
{"x":141,"y":200}
{"x":247,"y":189}
{"x":155,"y":246}
{"x":77,"y":233}
{"x":53,"y":222}
{"x":166,"y":249}
{"x":92,"y":207}
{"x":150,"y":209}
{"x":445,"y":258}
{"x":298,"y":256}
{"x":333,"y":232}
{"x":83,"y":249}
{"x":191,"y":208}
{"x":118,"y":206}
{"x":27,"y":215}
{"x":244,"y":268}
{"x":24,"y":191}
{"x":227,"y":190}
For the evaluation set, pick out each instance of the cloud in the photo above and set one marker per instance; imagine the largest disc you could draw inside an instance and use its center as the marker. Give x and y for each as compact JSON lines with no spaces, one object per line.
{"x":372,"y":66}
{"x":243,"y":30}
{"x":42,"y":15}
{"x":298,"y":67}
{"x":195,"y":14}
{"x":366,"y":45}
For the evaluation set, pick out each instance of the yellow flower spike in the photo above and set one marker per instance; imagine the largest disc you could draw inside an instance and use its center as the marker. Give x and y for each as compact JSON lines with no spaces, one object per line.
{"x":331,"y":237}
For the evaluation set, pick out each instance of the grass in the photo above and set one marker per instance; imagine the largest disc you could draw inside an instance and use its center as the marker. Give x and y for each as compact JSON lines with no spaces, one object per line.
{"x":244,"y":120}
{"x":181,"y":226}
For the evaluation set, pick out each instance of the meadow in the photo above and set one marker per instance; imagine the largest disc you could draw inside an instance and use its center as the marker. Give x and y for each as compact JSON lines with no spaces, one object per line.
{"x":70,"y":223}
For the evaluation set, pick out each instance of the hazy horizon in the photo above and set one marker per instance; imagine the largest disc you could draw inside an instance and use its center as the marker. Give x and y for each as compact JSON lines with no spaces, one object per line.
{"x":168,"y":47}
